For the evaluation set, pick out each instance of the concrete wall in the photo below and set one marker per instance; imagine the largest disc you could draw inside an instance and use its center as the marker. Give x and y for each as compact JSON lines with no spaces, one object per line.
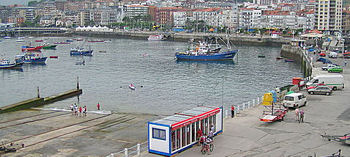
{"x":296,"y":53}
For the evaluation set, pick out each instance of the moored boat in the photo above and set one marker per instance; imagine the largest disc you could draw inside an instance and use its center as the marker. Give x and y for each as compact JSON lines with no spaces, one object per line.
{"x":159,"y":37}
{"x":81,"y":52}
{"x":31,"y":58}
{"x":53,"y":56}
{"x":62,"y":43}
{"x":96,"y":41}
{"x":132,"y":87}
{"x":49,"y":47}
{"x":39,"y":40}
{"x":203,"y":51}
{"x":30,"y":48}
{"x":5,"y":64}
{"x":289,"y":60}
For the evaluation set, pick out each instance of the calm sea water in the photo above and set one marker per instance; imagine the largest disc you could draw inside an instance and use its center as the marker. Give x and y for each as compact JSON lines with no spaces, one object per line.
{"x":168,"y":86}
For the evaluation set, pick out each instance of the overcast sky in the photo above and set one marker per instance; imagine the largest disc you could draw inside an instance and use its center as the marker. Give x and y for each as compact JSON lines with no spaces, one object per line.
{"x":10,"y":2}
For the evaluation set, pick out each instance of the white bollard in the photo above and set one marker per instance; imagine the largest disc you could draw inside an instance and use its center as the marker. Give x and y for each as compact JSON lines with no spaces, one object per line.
{"x":238,"y":109}
{"x":126,"y":154}
{"x":258,"y":101}
{"x":138,"y":149}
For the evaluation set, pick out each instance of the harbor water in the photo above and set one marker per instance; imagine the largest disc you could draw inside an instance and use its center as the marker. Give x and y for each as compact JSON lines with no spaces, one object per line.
{"x":163,"y":85}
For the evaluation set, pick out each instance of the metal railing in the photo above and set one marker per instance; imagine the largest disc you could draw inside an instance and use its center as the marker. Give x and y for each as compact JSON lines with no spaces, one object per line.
{"x":244,"y":106}
{"x":131,"y":151}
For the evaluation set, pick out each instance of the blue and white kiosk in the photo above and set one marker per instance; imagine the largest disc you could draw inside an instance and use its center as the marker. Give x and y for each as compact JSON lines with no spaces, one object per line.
{"x":178,"y":132}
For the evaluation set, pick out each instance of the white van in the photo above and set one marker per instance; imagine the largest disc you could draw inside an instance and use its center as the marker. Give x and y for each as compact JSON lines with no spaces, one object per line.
{"x":294,"y":100}
{"x":333,"y":81}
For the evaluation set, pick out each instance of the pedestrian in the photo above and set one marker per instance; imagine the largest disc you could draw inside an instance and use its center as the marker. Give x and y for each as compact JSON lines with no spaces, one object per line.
{"x":211,"y":135}
{"x":301,"y":116}
{"x":80,"y":110}
{"x":199,"y":134}
{"x":98,"y":106}
{"x":71,"y":108}
{"x":232,"y":111}
{"x":296,"y":114}
{"x":76,"y":110}
{"x":212,"y":128}
{"x":345,"y":63}
{"x":84,"y":110}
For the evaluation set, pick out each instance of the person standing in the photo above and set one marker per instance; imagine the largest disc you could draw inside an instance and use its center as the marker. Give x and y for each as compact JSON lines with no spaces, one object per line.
{"x":232,"y":111}
{"x":301,"y":113}
{"x":71,"y":108}
{"x":296,"y":114}
{"x":98,"y":106}
{"x":80,"y":110}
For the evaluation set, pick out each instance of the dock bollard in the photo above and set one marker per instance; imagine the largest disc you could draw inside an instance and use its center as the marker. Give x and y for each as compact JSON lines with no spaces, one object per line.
{"x":138,"y":149}
{"x":126,"y":152}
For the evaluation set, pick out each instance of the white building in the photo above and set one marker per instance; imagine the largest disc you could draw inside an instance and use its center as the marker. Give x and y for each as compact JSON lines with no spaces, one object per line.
{"x":250,"y":18}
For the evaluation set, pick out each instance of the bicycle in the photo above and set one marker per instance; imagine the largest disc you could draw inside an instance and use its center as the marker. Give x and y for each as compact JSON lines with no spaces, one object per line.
{"x":207,"y":147}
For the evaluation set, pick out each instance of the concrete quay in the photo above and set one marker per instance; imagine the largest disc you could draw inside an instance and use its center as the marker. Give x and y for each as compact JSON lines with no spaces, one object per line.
{"x":245,"y":135}
{"x":240,"y":39}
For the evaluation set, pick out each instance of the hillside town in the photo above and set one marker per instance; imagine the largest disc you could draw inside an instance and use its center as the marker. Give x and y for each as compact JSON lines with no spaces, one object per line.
{"x":290,"y":16}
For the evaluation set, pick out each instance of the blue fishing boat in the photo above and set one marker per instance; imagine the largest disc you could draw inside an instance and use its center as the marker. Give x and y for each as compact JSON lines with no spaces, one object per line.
{"x":31,"y":58}
{"x":205,"y":51}
{"x":5,"y":64}
{"x":81,"y":52}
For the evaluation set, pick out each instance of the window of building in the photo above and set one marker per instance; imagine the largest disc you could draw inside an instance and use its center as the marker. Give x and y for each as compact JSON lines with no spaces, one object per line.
{"x":158,"y":134}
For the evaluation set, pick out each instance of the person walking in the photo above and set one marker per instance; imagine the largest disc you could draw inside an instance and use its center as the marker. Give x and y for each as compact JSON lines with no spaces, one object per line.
{"x":232,"y":111}
{"x":76,"y":110}
{"x":84,"y":110}
{"x":297,"y":114}
{"x":72,"y":108}
{"x":301,"y":113}
{"x":98,"y":106}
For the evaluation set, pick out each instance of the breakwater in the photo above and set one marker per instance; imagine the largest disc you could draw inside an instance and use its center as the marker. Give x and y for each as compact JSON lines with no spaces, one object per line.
{"x":184,"y":37}
{"x":298,"y":55}
{"x":35,"y":102}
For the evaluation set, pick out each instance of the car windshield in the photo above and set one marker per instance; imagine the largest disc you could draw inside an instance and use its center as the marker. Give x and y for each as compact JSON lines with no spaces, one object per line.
{"x":289,"y":98}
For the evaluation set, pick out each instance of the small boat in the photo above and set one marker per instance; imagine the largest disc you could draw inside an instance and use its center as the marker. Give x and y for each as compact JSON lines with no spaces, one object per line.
{"x":132,"y":87}
{"x":261,"y":56}
{"x":289,"y":60}
{"x":49,"y":47}
{"x":53,"y":56}
{"x":81,"y":52}
{"x":96,"y":41}
{"x":156,"y":37}
{"x":279,"y":57}
{"x":39,"y":40}
{"x":79,"y":39}
{"x":19,"y":40}
{"x":69,"y":40}
{"x":5,"y":64}
{"x":80,"y":63}
{"x":30,"y":48}
{"x":62,"y":43}
{"x":7,"y":37}
{"x":102,"y":51}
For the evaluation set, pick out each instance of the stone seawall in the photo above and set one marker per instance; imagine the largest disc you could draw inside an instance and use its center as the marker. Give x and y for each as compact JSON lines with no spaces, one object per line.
{"x":298,"y":55}
{"x":183,"y":37}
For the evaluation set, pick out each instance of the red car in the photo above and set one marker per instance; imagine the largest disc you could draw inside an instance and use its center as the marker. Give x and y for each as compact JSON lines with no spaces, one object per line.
{"x":322,"y":54}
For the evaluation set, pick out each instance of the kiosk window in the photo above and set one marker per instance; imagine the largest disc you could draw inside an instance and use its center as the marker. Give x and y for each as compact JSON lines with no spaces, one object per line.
{"x":158,"y":134}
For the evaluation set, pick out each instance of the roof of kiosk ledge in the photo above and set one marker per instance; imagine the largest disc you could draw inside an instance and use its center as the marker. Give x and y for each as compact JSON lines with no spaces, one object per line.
{"x":187,"y":117}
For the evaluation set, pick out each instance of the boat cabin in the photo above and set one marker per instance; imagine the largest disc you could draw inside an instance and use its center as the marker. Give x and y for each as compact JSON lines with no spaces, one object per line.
{"x":178,"y":132}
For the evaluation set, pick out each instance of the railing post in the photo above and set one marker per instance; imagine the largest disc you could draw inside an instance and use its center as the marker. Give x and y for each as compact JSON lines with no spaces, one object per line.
{"x":254,"y":102}
{"x":112,"y":155}
{"x":238,"y":109}
{"x":126,"y":152}
{"x":226,"y":113}
{"x":138,"y":149}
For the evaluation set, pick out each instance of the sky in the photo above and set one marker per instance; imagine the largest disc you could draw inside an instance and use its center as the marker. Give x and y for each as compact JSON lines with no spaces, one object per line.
{"x":10,"y":2}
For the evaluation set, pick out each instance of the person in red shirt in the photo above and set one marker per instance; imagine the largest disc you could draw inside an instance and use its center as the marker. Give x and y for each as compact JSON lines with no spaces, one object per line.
{"x":80,"y":110}
{"x":98,"y":106}
{"x":232,"y":111}
{"x":199,"y":135}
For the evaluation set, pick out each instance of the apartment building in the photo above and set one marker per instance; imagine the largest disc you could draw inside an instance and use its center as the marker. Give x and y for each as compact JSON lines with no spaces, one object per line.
{"x":328,"y":15}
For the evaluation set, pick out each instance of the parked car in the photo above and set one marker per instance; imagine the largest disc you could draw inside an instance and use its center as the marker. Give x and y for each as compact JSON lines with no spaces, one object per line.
{"x":333,"y":55}
{"x":294,"y":100}
{"x":315,"y":85}
{"x":320,"y":90}
{"x":329,"y":66}
{"x":337,"y":69}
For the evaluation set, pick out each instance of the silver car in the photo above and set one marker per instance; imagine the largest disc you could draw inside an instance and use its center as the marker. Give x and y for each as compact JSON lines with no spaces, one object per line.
{"x":320,"y":90}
